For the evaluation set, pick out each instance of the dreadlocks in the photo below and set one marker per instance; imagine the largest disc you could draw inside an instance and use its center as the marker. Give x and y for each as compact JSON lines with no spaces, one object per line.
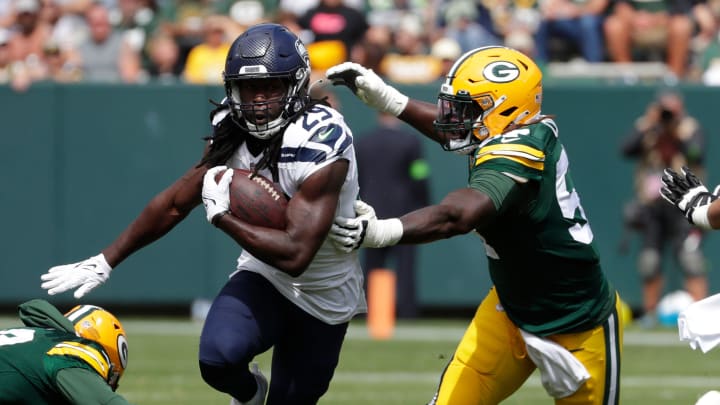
{"x":228,"y":136}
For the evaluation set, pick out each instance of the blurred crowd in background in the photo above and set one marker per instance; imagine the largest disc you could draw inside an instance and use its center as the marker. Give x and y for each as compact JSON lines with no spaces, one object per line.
{"x":405,"y":41}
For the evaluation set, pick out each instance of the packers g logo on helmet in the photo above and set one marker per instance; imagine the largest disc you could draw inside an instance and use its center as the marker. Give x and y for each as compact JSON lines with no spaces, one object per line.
{"x":96,"y":324}
{"x":501,"y":72}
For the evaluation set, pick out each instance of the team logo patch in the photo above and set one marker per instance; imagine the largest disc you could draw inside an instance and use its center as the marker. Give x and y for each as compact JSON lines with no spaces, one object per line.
{"x":501,"y":72}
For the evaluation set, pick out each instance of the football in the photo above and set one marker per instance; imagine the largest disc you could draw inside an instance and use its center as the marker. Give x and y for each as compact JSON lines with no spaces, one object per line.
{"x":256,"y":200}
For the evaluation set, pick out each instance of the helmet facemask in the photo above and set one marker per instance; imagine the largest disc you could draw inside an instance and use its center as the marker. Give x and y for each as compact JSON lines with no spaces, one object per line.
{"x":263,"y":118}
{"x":460,"y":122}
{"x":266,"y":79}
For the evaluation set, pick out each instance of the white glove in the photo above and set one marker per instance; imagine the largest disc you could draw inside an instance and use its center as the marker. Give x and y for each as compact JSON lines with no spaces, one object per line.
{"x":348,"y":234}
{"x":216,"y":195}
{"x":368,"y":87}
{"x":686,"y":191}
{"x":87,"y":274}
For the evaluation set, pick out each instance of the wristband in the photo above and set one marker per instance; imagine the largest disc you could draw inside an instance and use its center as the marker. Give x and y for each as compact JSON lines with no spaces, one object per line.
{"x":699,"y":217}
{"x":384,"y":232}
{"x":217,"y":217}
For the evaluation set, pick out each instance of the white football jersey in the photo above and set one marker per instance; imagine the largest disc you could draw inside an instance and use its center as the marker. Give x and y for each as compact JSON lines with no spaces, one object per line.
{"x":331,"y":289}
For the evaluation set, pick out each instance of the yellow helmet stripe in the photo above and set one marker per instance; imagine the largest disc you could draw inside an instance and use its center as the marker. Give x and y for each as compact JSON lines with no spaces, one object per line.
{"x":88,"y":354}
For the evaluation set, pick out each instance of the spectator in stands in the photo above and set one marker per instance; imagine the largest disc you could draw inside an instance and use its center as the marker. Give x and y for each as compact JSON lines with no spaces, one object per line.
{"x":56,"y":65}
{"x":332,"y":20}
{"x":460,"y":19}
{"x":447,"y":51}
{"x":137,"y":20}
{"x":12,"y":73}
{"x":577,"y":24}
{"x":106,"y":56}
{"x":665,"y":136}
{"x":206,"y":61}
{"x":183,"y":20}
{"x":164,"y":63}
{"x":410,"y":61}
{"x":667,"y":26}
{"x":374,"y":46}
{"x":30,"y":33}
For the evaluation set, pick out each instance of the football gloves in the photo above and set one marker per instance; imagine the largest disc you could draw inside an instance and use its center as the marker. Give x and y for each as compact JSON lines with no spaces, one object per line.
{"x":216,"y":195}
{"x":368,"y":87}
{"x":685,"y":191}
{"x":348,"y":234}
{"x":86,"y":275}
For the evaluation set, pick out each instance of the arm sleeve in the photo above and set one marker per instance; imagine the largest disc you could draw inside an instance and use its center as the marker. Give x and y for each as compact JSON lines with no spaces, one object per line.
{"x":84,"y":387}
{"x":495,"y":185}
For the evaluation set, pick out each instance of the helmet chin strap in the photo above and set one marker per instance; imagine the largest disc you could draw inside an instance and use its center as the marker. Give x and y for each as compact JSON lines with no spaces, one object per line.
{"x":273,"y":127}
{"x":462,"y":146}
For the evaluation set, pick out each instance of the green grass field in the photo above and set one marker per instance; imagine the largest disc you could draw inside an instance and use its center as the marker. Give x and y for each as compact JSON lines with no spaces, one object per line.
{"x":657,"y":368}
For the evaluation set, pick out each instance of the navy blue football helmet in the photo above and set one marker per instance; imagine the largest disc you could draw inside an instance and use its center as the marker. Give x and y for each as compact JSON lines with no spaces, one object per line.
{"x":267,"y":51}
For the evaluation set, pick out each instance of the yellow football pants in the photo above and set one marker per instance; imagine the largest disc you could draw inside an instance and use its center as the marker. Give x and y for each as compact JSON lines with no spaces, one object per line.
{"x":491,"y":361}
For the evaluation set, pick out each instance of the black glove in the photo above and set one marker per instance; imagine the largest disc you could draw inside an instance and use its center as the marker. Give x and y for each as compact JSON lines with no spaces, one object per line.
{"x":685,"y":191}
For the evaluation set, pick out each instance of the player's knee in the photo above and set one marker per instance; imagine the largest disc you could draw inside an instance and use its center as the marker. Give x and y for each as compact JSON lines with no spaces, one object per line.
{"x":215,"y":376}
{"x":649,"y":263}
{"x":692,"y":263}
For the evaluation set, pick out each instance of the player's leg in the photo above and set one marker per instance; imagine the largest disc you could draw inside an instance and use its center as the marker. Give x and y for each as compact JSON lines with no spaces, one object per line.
{"x":304,"y":358}
{"x":241,"y":324}
{"x":650,"y":262}
{"x":489,"y":364}
{"x":686,"y":242}
{"x":600,"y":351}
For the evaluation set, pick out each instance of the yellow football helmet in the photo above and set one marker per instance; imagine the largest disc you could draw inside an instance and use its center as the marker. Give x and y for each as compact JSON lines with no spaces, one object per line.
{"x":99,"y":325}
{"x":488,"y":91}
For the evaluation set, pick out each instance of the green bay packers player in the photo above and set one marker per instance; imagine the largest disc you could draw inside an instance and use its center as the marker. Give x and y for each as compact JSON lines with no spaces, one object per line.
{"x":551,"y":306}
{"x":77,"y":358}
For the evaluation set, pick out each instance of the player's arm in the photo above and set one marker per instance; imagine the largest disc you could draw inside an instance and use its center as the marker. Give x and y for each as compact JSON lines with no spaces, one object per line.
{"x":460,"y":212}
{"x":373,"y":91}
{"x":84,"y":387}
{"x":159,"y":216}
{"x":310,"y":214}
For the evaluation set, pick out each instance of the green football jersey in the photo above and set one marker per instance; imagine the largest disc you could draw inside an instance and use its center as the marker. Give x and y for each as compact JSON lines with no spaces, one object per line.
{"x":540,"y":249}
{"x":31,"y":357}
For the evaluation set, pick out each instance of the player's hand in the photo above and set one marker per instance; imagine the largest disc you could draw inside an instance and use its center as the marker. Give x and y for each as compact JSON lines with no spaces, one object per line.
{"x":685,"y":191}
{"x":368,"y":87}
{"x":364,"y":230}
{"x":216,"y":195}
{"x":86,"y":275}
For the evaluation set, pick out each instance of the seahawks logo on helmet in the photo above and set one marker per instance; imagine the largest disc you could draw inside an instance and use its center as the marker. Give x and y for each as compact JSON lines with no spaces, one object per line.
{"x":501,"y":72}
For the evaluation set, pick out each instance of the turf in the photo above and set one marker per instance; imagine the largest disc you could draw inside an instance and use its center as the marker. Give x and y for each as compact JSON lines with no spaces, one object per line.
{"x":657,"y":368}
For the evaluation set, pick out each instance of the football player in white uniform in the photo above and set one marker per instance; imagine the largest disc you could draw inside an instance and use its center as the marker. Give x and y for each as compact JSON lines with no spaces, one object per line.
{"x":292,"y":290}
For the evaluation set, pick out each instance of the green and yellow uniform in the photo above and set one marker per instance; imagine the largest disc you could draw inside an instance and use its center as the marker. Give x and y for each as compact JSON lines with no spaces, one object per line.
{"x":45,"y":362}
{"x":546,"y":274}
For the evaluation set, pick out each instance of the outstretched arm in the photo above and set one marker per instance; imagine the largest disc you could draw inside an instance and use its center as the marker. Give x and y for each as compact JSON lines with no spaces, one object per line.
{"x":162,"y":213}
{"x":460,"y":212}
{"x":373,"y":91}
